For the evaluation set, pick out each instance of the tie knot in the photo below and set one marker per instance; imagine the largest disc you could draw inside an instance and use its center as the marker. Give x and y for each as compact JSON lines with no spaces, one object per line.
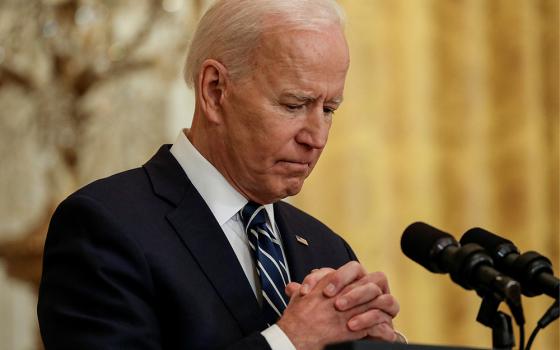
{"x":253,"y":214}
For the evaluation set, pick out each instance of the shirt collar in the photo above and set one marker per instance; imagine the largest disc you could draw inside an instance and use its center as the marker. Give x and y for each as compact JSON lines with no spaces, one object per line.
{"x":223,"y":200}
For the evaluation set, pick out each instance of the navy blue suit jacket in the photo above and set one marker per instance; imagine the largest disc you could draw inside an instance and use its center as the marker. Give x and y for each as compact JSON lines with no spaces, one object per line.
{"x":137,"y":261}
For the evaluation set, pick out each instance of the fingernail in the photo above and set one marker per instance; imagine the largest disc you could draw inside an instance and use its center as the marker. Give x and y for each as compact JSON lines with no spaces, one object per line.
{"x":352,"y":324}
{"x":341,"y":303}
{"x":304,"y":289}
{"x":330,"y":289}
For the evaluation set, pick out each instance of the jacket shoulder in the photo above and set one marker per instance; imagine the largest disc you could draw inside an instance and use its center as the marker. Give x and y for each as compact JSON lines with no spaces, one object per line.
{"x":296,"y":215}
{"x":300,"y":220}
{"x":123,"y":183}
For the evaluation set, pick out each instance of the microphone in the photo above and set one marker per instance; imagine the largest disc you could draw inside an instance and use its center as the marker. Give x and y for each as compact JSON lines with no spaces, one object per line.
{"x":468,"y":265}
{"x":531,"y":269}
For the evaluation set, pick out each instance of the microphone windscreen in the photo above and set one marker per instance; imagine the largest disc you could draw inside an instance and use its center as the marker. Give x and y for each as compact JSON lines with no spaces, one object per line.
{"x":420,"y":241}
{"x":487,"y":240}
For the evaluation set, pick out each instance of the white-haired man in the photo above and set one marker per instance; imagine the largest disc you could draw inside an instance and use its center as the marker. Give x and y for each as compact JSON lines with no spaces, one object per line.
{"x":196,"y":250}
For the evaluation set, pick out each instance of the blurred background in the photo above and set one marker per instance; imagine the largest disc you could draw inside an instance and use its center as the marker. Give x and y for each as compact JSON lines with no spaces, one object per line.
{"x":451,"y":116}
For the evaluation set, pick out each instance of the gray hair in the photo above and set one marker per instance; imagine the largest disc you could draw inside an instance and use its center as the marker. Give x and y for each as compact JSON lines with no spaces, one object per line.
{"x":229,"y":31}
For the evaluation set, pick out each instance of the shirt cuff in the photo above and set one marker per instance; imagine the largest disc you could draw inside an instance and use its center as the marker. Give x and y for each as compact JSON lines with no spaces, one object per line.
{"x":277,"y":339}
{"x":400,"y":338}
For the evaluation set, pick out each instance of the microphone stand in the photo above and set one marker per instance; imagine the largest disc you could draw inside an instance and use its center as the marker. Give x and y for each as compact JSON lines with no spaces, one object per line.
{"x":550,"y":315}
{"x":499,"y":322}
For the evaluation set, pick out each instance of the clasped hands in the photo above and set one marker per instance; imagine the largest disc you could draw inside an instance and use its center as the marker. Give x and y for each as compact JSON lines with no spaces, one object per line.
{"x":332,"y":306}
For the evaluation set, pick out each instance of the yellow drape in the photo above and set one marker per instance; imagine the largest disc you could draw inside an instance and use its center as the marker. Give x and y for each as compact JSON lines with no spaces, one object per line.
{"x":450,"y":117}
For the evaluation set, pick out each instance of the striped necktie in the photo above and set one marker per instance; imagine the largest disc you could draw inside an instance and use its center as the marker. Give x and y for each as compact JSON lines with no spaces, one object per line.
{"x":271,"y":268}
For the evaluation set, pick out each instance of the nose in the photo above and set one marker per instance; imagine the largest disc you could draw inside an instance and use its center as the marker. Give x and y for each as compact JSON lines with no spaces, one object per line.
{"x":315,"y":130}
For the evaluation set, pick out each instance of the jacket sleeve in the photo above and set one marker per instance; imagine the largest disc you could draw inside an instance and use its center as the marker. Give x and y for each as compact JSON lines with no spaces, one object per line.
{"x":97,"y":290}
{"x":96,"y":287}
{"x":352,"y":256}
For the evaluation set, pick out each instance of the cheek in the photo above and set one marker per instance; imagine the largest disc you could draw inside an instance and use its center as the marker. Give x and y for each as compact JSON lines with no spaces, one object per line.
{"x":262,"y":136}
{"x":275,"y":139}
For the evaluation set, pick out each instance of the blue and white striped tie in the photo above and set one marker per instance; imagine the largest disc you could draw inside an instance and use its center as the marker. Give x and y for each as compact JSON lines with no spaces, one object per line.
{"x":271,"y":267}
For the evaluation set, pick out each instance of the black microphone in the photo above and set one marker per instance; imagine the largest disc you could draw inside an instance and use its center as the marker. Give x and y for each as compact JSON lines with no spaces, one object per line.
{"x":469,"y":265}
{"x":531,"y":269}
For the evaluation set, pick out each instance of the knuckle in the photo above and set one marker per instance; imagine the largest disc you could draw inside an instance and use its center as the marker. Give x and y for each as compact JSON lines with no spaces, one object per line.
{"x":353,"y":297}
{"x":371,"y":316}
{"x":309,"y":279}
{"x":381,"y":280}
{"x":375,"y":315}
{"x":333,"y":278}
{"x":390,"y":304}
{"x":354,"y":267}
{"x":373,"y":288}
{"x":395,"y":306}
{"x":379,"y":276}
{"x":359,"y":267}
{"x":383,"y":331}
{"x":324,"y":272}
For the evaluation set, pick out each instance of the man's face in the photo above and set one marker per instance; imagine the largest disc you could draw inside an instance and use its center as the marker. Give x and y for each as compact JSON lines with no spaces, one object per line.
{"x":276,"y":121}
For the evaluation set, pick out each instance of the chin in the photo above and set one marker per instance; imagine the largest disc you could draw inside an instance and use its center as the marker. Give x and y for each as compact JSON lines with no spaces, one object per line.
{"x":293,"y":188}
{"x":279,"y":190}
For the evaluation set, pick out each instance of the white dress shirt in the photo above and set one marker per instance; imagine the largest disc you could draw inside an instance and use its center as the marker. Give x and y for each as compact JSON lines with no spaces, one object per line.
{"x":225,"y":203}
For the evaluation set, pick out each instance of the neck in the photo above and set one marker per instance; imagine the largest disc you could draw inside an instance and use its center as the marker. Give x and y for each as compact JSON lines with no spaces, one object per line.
{"x":205,"y":141}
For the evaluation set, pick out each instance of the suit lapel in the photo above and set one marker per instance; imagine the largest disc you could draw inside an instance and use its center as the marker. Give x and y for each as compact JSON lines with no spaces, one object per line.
{"x":200,"y":232}
{"x":300,"y":261}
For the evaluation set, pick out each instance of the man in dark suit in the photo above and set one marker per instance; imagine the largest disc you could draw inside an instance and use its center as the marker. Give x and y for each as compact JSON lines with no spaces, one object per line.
{"x":196,"y":250}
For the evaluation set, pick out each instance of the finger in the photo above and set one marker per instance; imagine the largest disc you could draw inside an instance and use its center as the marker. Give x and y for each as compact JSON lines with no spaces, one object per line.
{"x":382,"y":332}
{"x":381,"y":280}
{"x":292,"y":288}
{"x":386,"y":303}
{"x":360,"y":294}
{"x":368,"y":320}
{"x":311,"y":280}
{"x":344,"y":276}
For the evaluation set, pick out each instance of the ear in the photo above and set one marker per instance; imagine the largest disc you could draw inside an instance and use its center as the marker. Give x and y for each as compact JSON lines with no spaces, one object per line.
{"x":212,"y":81}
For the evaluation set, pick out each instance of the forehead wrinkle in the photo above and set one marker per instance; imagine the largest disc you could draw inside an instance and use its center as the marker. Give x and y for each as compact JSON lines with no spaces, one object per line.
{"x":296,"y":60}
{"x":300,"y":96}
{"x":303,"y":97}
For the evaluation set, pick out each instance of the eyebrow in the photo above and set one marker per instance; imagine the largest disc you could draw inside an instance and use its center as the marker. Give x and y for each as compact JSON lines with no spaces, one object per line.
{"x":306,"y":98}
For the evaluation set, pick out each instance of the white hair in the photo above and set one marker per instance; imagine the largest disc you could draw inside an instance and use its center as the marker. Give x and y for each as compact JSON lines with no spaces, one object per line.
{"x":229,"y":31}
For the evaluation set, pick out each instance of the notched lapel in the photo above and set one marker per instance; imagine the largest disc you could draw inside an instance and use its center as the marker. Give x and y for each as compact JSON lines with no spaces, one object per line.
{"x":198,"y":230}
{"x":299,"y":254}
{"x":204,"y":238}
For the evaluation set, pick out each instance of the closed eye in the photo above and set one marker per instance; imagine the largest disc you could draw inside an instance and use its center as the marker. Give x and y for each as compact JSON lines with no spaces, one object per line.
{"x":329,"y":110}
{"x":294,"y":107}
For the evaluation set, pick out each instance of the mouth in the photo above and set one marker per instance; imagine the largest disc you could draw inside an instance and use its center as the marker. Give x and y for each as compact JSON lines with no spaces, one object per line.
{"x":295,"y":165}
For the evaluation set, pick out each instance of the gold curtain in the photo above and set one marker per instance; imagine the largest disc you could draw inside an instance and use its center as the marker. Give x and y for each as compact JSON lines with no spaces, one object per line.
{"x":450,"y":117}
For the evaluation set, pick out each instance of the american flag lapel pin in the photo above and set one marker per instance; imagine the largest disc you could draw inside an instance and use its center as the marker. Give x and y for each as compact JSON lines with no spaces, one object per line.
{"x":302,"y":240}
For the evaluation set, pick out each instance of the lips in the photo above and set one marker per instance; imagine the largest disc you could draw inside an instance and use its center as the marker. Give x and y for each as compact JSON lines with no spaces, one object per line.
{"x":293,"y":161}
{"x":296,"y":166}
{"x":297,"y":161}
